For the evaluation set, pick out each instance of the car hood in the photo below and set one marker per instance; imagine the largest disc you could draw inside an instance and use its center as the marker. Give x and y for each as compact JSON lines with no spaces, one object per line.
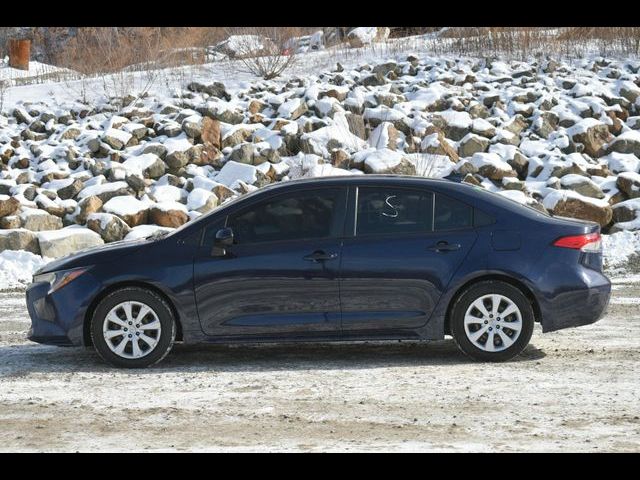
{"x":94,"y":255}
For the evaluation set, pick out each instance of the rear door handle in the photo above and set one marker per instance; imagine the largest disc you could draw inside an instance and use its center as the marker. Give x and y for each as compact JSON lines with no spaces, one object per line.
{"x":319,"y":256}
{"x":444,"y":247}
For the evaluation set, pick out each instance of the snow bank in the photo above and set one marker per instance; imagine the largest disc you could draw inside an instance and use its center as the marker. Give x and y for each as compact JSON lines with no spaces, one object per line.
{"x":17,"y":268}
{"x":619,"y":247}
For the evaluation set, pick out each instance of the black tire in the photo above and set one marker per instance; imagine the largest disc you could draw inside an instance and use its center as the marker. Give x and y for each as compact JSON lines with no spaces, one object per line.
{"x":163,"y":312}
{"x":473,"y":293}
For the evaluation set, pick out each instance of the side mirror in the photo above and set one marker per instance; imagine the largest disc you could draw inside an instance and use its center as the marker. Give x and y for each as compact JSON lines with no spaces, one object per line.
{"x":224,"y":239}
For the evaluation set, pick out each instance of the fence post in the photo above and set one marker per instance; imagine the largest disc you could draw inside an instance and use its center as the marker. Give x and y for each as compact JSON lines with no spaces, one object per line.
{"x":19,"y":53}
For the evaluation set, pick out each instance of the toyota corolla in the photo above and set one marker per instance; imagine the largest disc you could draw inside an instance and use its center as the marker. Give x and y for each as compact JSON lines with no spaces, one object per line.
{"x":333,"y":259}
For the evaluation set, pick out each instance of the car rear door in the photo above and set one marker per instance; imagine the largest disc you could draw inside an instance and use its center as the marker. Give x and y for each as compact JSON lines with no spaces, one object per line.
{"x":280,"y":277}
{"x":402,"y":248}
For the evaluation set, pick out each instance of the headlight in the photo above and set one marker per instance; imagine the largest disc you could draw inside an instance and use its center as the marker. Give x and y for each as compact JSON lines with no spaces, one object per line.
{"x":57,"y":280}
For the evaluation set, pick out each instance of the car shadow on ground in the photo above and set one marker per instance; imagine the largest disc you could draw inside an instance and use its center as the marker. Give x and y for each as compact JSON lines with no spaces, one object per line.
{"x":17,"y":360}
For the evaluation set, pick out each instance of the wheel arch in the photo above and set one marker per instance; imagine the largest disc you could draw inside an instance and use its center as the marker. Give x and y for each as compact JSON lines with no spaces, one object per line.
{"x":86,"y":328}
{"x":527,"y":292}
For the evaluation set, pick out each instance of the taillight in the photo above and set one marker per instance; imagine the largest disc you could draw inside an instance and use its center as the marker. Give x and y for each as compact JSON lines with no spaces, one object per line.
{"x":589,"y":242}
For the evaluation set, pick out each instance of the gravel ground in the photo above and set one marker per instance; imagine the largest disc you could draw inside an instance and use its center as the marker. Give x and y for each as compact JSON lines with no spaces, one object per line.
{"x":576,"y":389}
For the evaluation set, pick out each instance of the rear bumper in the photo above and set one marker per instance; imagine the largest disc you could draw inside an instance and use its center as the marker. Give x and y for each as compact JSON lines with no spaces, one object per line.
{"x":582,"y":304}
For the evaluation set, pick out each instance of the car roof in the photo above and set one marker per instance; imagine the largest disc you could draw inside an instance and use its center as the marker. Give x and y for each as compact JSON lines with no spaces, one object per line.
{"x":360,"y":179}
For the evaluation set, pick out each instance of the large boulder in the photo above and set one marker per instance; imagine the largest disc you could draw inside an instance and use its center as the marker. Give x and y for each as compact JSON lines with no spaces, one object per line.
{"x":292,"y":109}
{"x":629,"y":183}
{"x":201,"y":200}
{"x":39,"y":220}
{"x":387,"y":161}
{"x":110,"y":227}
{"x":133,"y":211}
{"x":116,"y":139}
{"x":566,"y":203}
{"x":356,"y":125}
{"x":546,"y":124}
{"x":177,"y":159}
{"x":336,"y":135}
{"x":59,"y":243}
{"x":627,"y":142}
{"x":361,"y":36}
{"x":71,"y":190}
{"x":19,"y":240}
{"x":581,"y":184}
{"x":471,"y":144}
{"x":626,"y":211}
{"x":436,"y":144}
{"x":8,"y":205}
{"x":86,"y":207}
{"x":147,"y":165}
{"x":234,"y":172}
{"x":592,"y":134}
{"x":168,"y":214}
{"x":211,"y":132}
{"x":491,"y":166}
{"x":454,"y":124}
{"x":243,"y":153}
{"x":12,"y":221}
{"x":105,"y":191}
{"x":384,"y":135}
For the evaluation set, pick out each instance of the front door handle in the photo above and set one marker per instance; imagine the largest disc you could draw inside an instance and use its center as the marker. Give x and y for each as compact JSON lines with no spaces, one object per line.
{"x":319,"y":256}
{"x":443,"y":246}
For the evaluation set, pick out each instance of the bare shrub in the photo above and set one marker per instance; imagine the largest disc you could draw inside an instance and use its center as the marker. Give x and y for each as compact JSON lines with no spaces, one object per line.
{"x":262,"y":50}
{"x":523,"y":42}
{"x":426,"y":164}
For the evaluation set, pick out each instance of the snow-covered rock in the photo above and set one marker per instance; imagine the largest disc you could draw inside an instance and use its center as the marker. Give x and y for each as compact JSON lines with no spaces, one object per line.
{"x":59,"y":243}
{"x":567,"y":203}
{"x":110,"y":227}
{"x":133,"y":211}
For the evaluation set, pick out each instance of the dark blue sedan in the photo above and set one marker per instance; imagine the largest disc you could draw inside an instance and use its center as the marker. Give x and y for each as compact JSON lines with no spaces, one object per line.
{"x":340,"y":258}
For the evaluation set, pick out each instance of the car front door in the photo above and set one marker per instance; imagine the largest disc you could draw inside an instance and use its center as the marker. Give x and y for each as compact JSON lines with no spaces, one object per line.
{"x":404,"y":246}
{"x":280,"y":277}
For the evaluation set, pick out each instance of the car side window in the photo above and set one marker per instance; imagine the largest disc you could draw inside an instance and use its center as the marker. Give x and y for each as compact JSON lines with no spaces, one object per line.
{"x":300,"y":215}
{"x":451,"y":214}
{"x":384,"y":210}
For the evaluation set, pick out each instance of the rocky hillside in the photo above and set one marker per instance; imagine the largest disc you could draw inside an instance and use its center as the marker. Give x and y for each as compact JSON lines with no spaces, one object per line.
{"x":560,"y":137}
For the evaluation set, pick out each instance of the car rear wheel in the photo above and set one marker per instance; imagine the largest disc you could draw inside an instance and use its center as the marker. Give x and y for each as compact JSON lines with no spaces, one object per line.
{"x":133,"y":328}
{"x":492,"y":321}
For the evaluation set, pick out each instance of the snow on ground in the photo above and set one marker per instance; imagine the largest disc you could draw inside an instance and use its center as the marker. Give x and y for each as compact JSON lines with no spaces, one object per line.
{"x":37,"y":71}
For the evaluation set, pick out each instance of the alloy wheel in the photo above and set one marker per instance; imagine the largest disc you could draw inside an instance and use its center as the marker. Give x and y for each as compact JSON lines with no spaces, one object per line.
{"x":493,"y":322}
{"x":131,"y":329}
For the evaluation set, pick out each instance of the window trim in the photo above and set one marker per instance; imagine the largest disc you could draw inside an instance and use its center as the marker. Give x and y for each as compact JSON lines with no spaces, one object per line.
{"x":339,"y":221}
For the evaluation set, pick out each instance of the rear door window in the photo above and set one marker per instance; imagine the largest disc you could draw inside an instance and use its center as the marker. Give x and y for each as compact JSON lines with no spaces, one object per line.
{"x":388,"y":210}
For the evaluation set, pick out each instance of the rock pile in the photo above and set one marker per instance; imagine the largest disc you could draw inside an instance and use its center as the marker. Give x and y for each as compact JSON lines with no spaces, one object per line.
{"x":563,"y":138}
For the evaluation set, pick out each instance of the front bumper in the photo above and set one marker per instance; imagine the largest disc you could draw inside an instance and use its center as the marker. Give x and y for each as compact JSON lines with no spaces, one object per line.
{"x":58,"y":318}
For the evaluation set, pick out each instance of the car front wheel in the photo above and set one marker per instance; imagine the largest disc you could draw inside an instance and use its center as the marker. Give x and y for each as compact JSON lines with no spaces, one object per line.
{"x":133,"y":328}
{"x":492,"y":321}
